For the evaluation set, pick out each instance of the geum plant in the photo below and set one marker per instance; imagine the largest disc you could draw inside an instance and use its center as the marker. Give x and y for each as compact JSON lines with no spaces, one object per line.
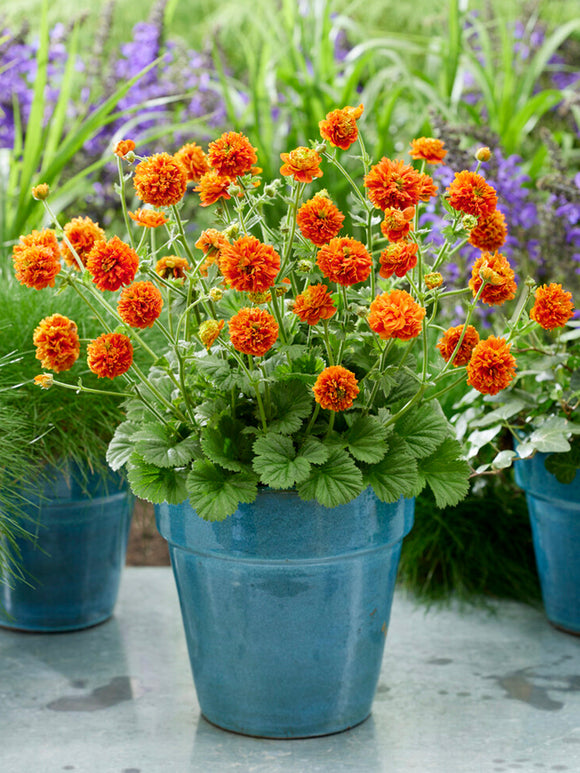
{"x":288,"y":362}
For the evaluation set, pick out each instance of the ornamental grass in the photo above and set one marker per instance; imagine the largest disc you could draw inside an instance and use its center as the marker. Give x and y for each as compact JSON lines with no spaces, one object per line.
{"x":287,"y":361}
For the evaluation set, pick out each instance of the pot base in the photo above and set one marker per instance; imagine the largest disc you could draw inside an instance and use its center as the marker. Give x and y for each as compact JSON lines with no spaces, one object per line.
{"x":563,"y":628}
{"x":20,"y":628}
{"x":277,"y":737}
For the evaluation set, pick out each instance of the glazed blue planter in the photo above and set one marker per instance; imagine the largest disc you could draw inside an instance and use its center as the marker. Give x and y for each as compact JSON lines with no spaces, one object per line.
{"x":554,"y":510}
{"x":286,"y":606}
{"x":73,"y":563}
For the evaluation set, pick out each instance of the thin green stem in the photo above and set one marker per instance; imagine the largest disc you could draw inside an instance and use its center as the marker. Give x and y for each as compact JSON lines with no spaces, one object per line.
{"x":327,"y":342}
{"x":124,"y":201}
{"x":82,"y":388}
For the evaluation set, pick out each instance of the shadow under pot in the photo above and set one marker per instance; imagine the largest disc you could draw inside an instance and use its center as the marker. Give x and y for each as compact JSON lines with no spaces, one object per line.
{"x":79,"y":526}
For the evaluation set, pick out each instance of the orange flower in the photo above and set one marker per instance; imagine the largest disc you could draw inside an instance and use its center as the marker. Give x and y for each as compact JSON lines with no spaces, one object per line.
{"x":193,"y":159}
{"x":209,"y":331}
{"x":553,"y":306}
{"x":211,"y":243}
{"x":319,"y":219}
{"x":340,"y":128}
{"x":172,"y":267}
{"x":397,"y":223}
{"x":253,"y":331}
{"x":248,"y":265}
{"x":502,"y":286}
{"x":57,"y":343}
{"x":428,"y":149}
{"x":82,"y":233}
{"x":36,"y":267}
{"x":393,"y":184}
{"x":490,"y":232}
{"x":148,"y":218}
{"x":112,"y":264}
{"x":314,"y":304}
{"x":447,"y":344}
{"x":110,"y":355}
{"x":213,"y":186}
{"x":160,"y":180}
{"x":396,"y":315}
{"x":140,"y":304}
{"x":433,"y":280}
{"x":428,"y":187}
{"x":345,"y":260}
{"x":123,"y":147}
{"x":470,"y":193}
{"x":398,"y":259}
{"x":303,"y":163}
{"x":336,"y":388}
{"x":491,"y":367}
{"x":232,"y":155}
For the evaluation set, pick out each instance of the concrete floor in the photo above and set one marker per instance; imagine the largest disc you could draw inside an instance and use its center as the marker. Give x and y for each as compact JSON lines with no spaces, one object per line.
{"x":461,"y":691}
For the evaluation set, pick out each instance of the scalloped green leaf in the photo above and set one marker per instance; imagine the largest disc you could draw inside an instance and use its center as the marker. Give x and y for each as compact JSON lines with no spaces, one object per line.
{"x":446,"y":474}
{"x":395,"y":475}
{"x":564,"y":466}
{"x":276,"y":462}
{"x":227,"y":445}
{"x":215,"y":493}
{"x":366,"y":439}
{"x":314,"y":451}
{"x":156,"y":484}
{"x":291,"y":403}
{"x":122,"y":445}
{"x":163,"y":447}
{"x":423,"y":429}
{"x":333,"y":483}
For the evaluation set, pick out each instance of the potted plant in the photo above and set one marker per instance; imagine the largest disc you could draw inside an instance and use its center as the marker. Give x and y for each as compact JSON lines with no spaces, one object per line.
{"x":533,"y":424}
{"x":292,"y":414}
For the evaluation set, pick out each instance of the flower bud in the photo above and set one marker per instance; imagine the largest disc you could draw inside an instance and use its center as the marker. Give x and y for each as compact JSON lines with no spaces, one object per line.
{"x":469,"y":222}
{"x":130,"y":157}
{"x":271,"y":189}
{"x":258,"y":298}
{"x":232,"y":231}
{"x":216,"y":294}
{"x":235,"y":190}
{"x":284,"y":288}
{"x":483,"y":154}
{"x":44,"y":380}
{"x":361,"y":311}
{"x":209,"y":331}
{"x":319,"y":147}
{"x":304,"y":266}
{"x":490,"y":276}
{"x":41,"y":192}
{"x":433,"y":280}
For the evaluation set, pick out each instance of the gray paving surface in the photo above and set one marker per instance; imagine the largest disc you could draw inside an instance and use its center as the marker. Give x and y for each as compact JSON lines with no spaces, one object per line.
{"x":461,"y":691}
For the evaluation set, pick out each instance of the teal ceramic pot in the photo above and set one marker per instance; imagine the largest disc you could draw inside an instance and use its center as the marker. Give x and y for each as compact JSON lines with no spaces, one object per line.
{"x":286,"y":606}
{"x":73,"y":563}
{"x":554,"y":510}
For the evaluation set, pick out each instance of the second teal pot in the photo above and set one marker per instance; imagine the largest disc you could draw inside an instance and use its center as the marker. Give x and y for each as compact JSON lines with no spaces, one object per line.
{"x":554,"y":510}
{"x":286,"y":607}
{"x":79,"y":526}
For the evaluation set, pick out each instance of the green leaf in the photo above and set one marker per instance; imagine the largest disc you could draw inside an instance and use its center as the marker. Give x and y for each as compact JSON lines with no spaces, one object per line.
{"x":291,"y":403}
{"x":423,"y":429}
{"x":480,"y":438}
{"x":276,"y":462}
{"x":314,"y":451}
{"x":216,"y":371}
{"x":395,"y":475}
{"x":156,"y":484}
{"x":225,"y":444}
{"x":564,"y":466}
{"x":216,"y":493}
{"x":366,"y":439}
{"x":446,"y":474}
{"x":122,"y":445}
{"x":163,"y":447}
{"x":503,"y":460}
{"x":551,"y":437}
{"x":336,"y":482}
